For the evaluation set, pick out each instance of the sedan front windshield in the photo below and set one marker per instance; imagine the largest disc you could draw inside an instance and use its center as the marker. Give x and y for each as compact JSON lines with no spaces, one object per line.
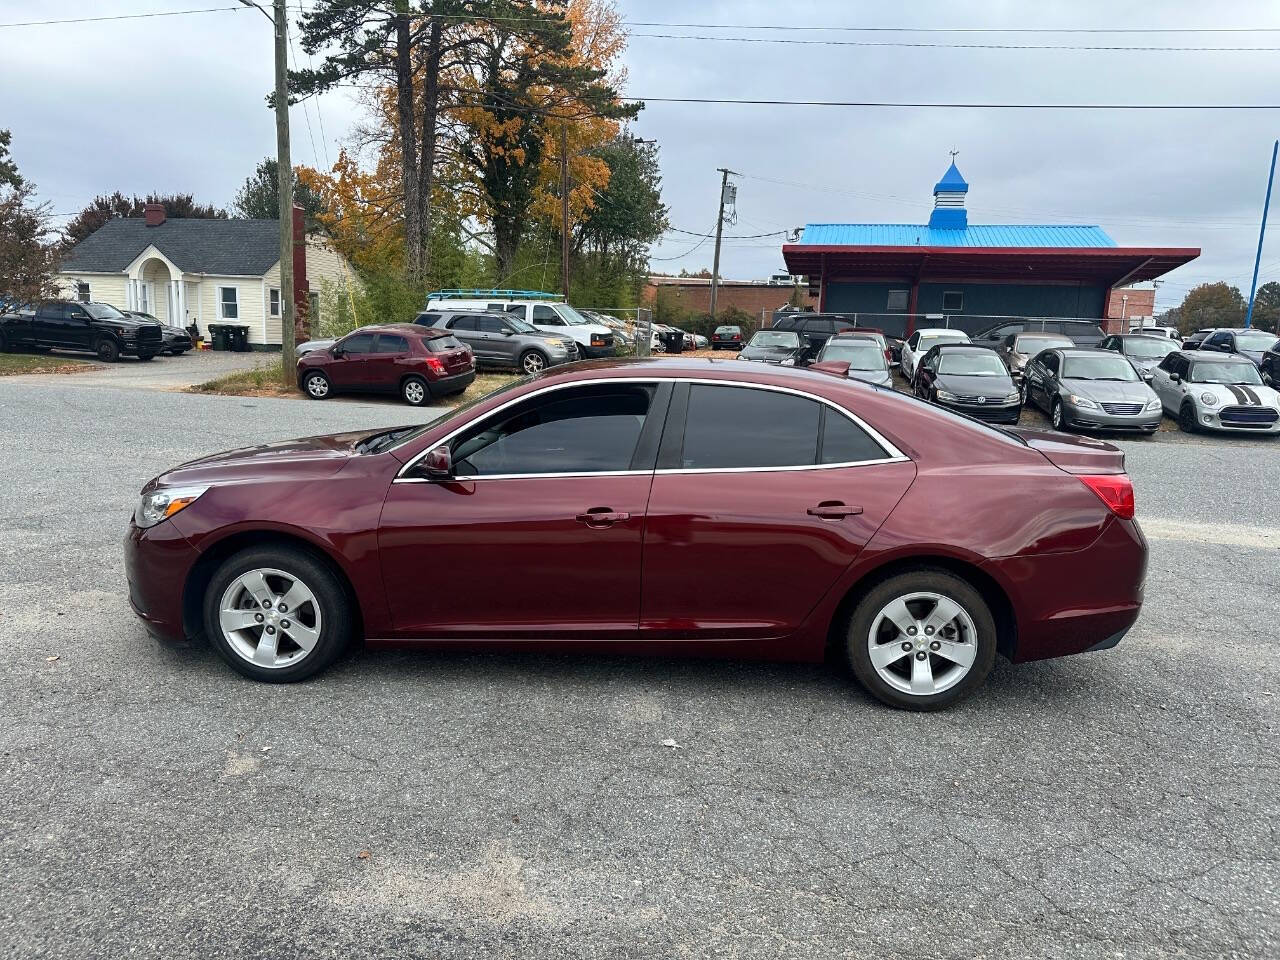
{"x":861,"y":354}
{"x":1098,"y":368}
{"x":786,"y":339}
{"x":1240,"y":372}
{"x":103,"y":311}
{"x":1149,"y":348}
{"x":972,"y":365}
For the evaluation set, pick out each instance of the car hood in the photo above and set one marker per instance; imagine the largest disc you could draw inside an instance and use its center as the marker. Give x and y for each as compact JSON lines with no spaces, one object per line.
{"x":309,"y":457}
{"x":1241,"y":395}
{"x":311,"y":346}
{"x":990,"y":387}
{"x":881,"y":378}
{"x":1109,"y":391}
{"x":1254,"y":355}
{"x":770,"y":354}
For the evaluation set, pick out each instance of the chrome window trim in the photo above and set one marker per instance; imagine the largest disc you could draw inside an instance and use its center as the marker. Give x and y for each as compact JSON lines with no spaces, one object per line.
{"x":892,"y":453}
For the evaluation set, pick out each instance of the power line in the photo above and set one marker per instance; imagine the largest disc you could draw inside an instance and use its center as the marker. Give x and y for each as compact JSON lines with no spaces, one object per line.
{"x":957,"y":106}
{"x":121,"y":16}
{"x":1128,"y":48}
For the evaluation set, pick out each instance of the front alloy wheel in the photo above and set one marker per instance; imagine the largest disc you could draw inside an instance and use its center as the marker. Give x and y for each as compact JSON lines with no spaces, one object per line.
{"x":922,"y":640}
{"x":276,"y":614}
{"x":316,"y":385}
{"x":107,"y":350}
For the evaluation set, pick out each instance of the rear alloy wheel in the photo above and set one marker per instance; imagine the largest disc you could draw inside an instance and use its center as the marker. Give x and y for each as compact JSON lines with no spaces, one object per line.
{"x":107,"y":350}
{"x":317,"y":385}
{"x":1187,"y":422}
{"x":414,"y":391}
{"x":277,"y":614}
{"x":1055,"y":416}
{"x":1026,"y":393}
{"x":531,"y":361}
{"x":922,"y":640}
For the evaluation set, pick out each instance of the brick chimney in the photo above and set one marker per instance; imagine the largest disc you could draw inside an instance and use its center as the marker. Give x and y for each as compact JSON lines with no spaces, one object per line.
{"x":154,"y":214}
{"x":301,"y":287}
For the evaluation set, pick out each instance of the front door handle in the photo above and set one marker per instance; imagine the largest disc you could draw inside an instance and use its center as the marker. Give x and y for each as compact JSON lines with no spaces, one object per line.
{"x":833,"y":510}
{"x":602,"y":517}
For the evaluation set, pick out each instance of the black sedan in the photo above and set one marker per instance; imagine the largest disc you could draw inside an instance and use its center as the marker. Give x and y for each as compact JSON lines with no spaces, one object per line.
{"x":969,"y":379}
{"x":175,"y":340}
{"x":785,"y":347}
{"x":1270,"y":366}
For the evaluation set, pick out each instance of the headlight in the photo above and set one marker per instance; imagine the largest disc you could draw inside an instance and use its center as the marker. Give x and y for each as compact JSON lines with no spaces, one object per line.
{"x":789,"y":362}
{"x":1084,"y":403}
{"x":163,"y":503}
{"x":1208,"y":399}
{"x":1013,"y":397}
{"x":1153,"y":404}
{"x":946,"y":395}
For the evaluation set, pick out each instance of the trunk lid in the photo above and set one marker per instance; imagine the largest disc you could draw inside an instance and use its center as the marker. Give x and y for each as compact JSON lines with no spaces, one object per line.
{"x":1081,"y":456}
{"x":456,"y":361}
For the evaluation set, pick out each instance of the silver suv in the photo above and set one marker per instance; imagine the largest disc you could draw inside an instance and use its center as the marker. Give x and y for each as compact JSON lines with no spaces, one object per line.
{"x":501,"y":340}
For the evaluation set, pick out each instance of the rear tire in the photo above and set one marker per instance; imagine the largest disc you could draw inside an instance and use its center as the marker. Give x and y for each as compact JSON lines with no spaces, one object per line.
{"x":317,"y":386}
{"x":415,"y":392}
{"x":1187,"y":418}
{"x":107,"y":350}
{"x":304,"y":641}
{"x":957,"y":655}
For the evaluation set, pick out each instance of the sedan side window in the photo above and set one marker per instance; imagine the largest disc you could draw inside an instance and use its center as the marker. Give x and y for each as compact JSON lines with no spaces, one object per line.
{"x":740,"y":427}
{"x":913,"y":341}
{"x":1050,"y":362}
{"x":575,"y":430}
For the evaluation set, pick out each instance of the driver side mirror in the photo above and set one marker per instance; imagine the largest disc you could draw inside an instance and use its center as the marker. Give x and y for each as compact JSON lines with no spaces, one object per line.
{"x":337,"y":352}
{"x":438,"y":463}
{"x":1175,"y":377}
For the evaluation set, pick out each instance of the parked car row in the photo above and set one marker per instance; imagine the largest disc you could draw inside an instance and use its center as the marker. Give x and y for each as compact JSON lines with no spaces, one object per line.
{"x":96,"y":328}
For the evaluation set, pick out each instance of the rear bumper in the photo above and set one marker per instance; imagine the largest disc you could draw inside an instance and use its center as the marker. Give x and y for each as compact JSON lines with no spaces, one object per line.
{"x":157,"y":562}
{"x":1069,"y":603}
{"x":455,"y":384}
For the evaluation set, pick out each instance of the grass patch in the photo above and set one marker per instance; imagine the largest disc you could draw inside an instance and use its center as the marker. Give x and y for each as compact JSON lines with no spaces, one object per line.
{"x":12,"y":364}
{"x":264,"y":381}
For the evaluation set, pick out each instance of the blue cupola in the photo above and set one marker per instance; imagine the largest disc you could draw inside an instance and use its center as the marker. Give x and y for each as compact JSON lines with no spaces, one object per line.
{"x":948,"y":201}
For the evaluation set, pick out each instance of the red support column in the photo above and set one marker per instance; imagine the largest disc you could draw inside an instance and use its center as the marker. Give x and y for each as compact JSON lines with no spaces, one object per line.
{"x":301,"y":287}
{"x":912,"y":303}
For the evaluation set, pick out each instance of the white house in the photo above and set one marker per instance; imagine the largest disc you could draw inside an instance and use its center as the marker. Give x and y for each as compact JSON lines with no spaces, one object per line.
{"x":187,"y":271}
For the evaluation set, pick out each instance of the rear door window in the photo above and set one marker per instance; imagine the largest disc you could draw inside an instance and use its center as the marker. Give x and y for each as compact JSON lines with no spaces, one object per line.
{"x":740,"y":428}
{"x":462,"y":323}
{"x":491,"y":325}
{"x":391,"y":343}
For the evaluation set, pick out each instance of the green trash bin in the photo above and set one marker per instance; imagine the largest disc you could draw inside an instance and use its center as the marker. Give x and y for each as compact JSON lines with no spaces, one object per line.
{"x":220,"y":336}
{"x":238,"y":338}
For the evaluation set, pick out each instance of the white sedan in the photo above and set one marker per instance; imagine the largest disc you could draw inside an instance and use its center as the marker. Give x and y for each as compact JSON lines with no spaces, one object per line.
{"x":918,"y":344}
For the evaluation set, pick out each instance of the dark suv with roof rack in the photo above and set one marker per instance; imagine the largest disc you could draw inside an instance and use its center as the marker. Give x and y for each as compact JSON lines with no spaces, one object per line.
{"x":87,"y":327}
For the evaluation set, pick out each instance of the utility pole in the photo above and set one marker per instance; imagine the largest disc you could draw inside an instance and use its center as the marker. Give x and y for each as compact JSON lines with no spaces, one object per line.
{"x":284,"y":182}
{"x":564,"y":210}
{"x":715,"y":261}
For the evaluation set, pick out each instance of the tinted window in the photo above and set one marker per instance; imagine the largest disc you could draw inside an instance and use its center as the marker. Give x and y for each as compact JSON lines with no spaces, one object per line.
{"x":582,"y":430}
{"x":50,"y":311}
{"x":428,"y":319}
{"x":1219,"y":338}
{"x":358,"y":343}
{"x":785,"y":323}
{"x":392,"y":343}
{"x":442,"y":344}
{"x":1169,"y":363}
{"x":820,"y":327}
{"x":492,"y":324}
{"x":1049,"y":361}
{"x":843,"y":441}
{"x":545,"y":315}
{"x":462,"y":323}
{"x":743,"y":427}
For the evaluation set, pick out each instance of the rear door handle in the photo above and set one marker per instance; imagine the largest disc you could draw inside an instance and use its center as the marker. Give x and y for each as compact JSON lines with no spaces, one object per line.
{"x":833,"y":510}
{"x":602,"y":517}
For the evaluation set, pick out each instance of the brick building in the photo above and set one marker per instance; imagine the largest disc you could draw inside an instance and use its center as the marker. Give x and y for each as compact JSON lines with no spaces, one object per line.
{"x":756,"y":297}
{"x":1128,"y":303}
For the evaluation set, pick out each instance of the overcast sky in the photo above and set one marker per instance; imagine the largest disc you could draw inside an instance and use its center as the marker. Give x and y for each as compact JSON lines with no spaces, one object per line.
{"x":176,"y":104}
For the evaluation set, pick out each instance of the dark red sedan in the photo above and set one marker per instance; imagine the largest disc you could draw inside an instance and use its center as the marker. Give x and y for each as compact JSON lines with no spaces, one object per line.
{"x":418,"y":363}
{"x":678,"y":506}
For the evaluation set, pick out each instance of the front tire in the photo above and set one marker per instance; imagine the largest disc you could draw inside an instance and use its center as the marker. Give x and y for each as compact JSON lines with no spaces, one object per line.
{"x":922,"y":640}
{"x":531,"y":361}
{"x":277,"y":614}
{"x":1187,"y":422}
{"x":317,"y":386}
{"x":414,"y":391}
{"x":107,"y":350}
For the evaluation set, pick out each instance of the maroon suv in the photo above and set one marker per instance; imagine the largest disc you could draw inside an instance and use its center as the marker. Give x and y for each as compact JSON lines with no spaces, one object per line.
{"x":675,"y":506}
{"x":419,"y":363}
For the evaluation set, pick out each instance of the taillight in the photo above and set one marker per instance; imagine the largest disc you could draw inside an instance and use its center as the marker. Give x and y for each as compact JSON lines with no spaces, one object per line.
{"x":435,"y":364}
{"x":888,"y":354}
{"x":737,"y":336}
{"x":1115,"y":490}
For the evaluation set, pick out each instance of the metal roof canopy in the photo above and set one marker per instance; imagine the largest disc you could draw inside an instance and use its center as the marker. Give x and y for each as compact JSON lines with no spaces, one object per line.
{"x":1113,"y":266}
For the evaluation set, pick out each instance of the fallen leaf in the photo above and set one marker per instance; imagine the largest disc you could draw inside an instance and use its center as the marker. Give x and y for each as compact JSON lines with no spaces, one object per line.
{"x":672,"y":744}
{"x":364,"y":855}
{"x":265,"y":749}
{"x":52,"y":659}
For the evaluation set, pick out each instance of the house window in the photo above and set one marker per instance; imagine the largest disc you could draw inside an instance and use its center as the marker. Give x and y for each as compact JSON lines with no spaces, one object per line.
{"x":314,"y":315}
{"x":952,"y":301}
{"x":82,"y":291}
{"x":898,"y":301}
{"x":275,"y":301}
{"x":228,"y":303}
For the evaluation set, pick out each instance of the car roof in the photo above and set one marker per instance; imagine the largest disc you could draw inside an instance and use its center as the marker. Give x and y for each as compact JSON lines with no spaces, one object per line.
{"x":413,"y":329}
{"x":962,"y":348}
{"x":857,"y":333}
{"x":1039,"y":335}
{"x":1084,"y":351}
{"x":1135,"y":335}
{"x":1212,"y":357}
{"x":935,"y":331}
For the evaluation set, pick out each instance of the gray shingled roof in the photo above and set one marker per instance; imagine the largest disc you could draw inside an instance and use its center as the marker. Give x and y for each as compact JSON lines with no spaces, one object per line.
{"x":226,"y":247}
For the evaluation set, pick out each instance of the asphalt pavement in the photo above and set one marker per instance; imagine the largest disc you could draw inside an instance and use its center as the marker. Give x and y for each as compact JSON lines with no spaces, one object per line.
{"x":1117,"y":804}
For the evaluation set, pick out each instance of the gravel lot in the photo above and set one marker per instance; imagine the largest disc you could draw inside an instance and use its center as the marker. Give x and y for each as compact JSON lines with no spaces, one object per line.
{"x":1120,"y":804}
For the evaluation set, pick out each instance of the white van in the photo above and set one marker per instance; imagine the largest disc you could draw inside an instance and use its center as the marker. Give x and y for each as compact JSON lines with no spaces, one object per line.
{"x":544,"y":310}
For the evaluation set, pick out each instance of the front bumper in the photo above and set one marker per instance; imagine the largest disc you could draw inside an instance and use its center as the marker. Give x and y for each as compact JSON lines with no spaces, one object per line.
{"x":1148,"y":421}
{"x":988,"y":412}
{"x":454,"y":384}
{"x":1209,"y":418}
{"x":157,"y":562}
{"x":597,"y":352}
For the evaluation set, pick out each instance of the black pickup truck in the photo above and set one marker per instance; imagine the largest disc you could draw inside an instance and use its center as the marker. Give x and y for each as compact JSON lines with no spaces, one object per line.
{"x":70,"y":325}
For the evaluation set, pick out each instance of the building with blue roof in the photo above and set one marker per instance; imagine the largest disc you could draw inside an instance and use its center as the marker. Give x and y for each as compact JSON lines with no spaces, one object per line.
{"x":949,"y":271}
